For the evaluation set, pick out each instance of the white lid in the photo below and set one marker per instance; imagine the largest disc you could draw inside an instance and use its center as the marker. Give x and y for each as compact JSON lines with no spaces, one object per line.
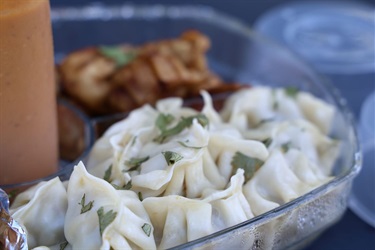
{"x":335,"y":37}
{"x":362,"y":200}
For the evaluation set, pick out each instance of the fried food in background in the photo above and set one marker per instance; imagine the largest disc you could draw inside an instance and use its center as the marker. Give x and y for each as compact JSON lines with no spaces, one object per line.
{"x":71,"y":134}
{"x":105,"y":80}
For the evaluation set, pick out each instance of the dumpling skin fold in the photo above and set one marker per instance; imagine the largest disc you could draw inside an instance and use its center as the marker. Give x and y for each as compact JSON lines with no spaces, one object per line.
{"x":178,"y":219}
{"x":124,"y":232}
{"x":230,"y":205}
{"x":41,"y":210}
{"x":274,"y":184}
{"x":248,"y":108}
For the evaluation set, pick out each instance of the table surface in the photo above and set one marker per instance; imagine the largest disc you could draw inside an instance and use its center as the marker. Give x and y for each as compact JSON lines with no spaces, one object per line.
{"x":350,"y":232}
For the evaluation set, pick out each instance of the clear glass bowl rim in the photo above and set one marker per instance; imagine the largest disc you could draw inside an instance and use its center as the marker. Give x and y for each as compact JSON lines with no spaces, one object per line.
{"x":104,"y":12}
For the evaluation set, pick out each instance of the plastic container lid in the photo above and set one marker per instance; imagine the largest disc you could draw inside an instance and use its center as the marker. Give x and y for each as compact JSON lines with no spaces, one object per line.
{"x":335,"y":37}
{"x":362,"y":200}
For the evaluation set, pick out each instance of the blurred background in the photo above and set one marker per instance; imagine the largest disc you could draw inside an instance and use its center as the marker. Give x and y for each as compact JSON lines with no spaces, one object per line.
{"x":353,"y":75}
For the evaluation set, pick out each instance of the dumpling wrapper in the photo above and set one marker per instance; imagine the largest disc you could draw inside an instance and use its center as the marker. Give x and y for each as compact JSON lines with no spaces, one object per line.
{"x":41,"y":210}
{"x":125,"y":231}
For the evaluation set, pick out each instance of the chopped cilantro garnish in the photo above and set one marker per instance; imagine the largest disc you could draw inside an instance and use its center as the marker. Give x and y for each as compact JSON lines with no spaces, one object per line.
{"x":127,"y":186}
{"x":291,"y":91}
{"x":172,"y":157}
{"x":163,"y":120}
{"x":85,"y":207}
{"x":185,"y":122}
{"x":187,"y":146}
{"x":63,"y":245}
{"x":267,"y":142}
{"x":275,"y":103}
{"x":133,"y":141}
{"x":105,"y":218}
{"x":249,"y":164}
{"x":118,"y":55}
{"x":135,"y":163}
{"x":147,"y":229}
{"x":107,"y":174}
{"x":140,"y":196}
{"x":286,"y":146}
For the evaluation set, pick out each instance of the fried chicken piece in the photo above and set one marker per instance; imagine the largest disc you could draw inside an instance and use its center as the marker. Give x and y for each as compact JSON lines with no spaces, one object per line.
{"x":84,"y":77}
{"x":123,"y":78}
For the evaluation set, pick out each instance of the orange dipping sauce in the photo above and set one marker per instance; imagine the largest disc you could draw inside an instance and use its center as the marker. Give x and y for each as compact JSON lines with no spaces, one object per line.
{"x":28,"y":121}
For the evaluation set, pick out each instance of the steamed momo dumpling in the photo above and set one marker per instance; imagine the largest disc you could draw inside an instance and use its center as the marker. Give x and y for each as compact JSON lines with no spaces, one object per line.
{"x":111,"y":145}
{"x":121,"y":139}
{"x":41,"y":210}
{"x":177,"y":219}
{"x":139,"y":153}
{"x":274,"y":184}
{"x":251,"y":107}
{"x":101,"y":217}
{"x":302,"y":135}
{"x":230,"y":206}
{"x":223,"y":145}
{"x":188,"y":175}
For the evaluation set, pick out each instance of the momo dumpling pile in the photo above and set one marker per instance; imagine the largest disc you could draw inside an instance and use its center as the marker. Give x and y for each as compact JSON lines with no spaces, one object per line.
{"x":169,"y":174}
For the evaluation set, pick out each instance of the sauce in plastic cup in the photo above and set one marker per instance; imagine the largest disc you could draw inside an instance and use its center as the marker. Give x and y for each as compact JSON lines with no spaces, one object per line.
{"x":28,"y":120}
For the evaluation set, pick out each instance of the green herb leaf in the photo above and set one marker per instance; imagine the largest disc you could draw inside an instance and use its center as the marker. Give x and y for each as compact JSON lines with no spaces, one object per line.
{"x":163,"y":120}
{"x":267,"y":142}
{"x":105,"y":218}
{"x":291,"y":91}
{"x":85,"y":207}
{"x":12,"y":194}
{"x":172,"y":157}
{"x":184,"y":123}
{"x":135,"y":163}
{"x":118,"y":55}
{"x":249,"y":164}
{"x":275,"y":103}
{"x":265,"y":121}
{"x":133,"y":141}
{"x":140,"y":196}
{"x":63,"y":245}
{"x":147,"y":229}
{"x":127,"y":186}
{"x":107,"y":174}
{"x":187,"y":146}
{"x":286,"y":146}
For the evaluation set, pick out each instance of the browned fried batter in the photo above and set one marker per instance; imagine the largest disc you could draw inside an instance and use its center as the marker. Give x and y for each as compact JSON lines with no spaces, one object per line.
{"x":122,"y":78}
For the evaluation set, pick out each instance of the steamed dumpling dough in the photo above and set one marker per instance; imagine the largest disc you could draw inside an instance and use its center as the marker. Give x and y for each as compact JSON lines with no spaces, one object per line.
{"x":156,"y":175}
{"x":250,"y":107}
{"x":41,"y":211}
{"x":274,"y":184}
{"x":230,"y":206}
{"x":302,"y":135}
{"x":197,"y":172}
{"x":204,"y":153}
{"x":178,"y":220}
{"x":316,"y":147}
{"x":223,"y":145}
{"x":101,"y":217}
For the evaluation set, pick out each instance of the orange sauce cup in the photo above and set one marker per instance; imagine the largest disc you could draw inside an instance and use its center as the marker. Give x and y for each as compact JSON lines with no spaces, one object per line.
{"x":28,"y":121}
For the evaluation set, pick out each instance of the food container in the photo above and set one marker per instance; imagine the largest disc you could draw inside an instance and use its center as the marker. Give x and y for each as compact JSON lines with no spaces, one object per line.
{"x":76,"y":136}
{"x":236,"y":54}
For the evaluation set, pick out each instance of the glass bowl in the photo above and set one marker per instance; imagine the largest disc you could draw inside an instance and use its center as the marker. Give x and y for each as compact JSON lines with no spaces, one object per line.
{"x":237,"y":54}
